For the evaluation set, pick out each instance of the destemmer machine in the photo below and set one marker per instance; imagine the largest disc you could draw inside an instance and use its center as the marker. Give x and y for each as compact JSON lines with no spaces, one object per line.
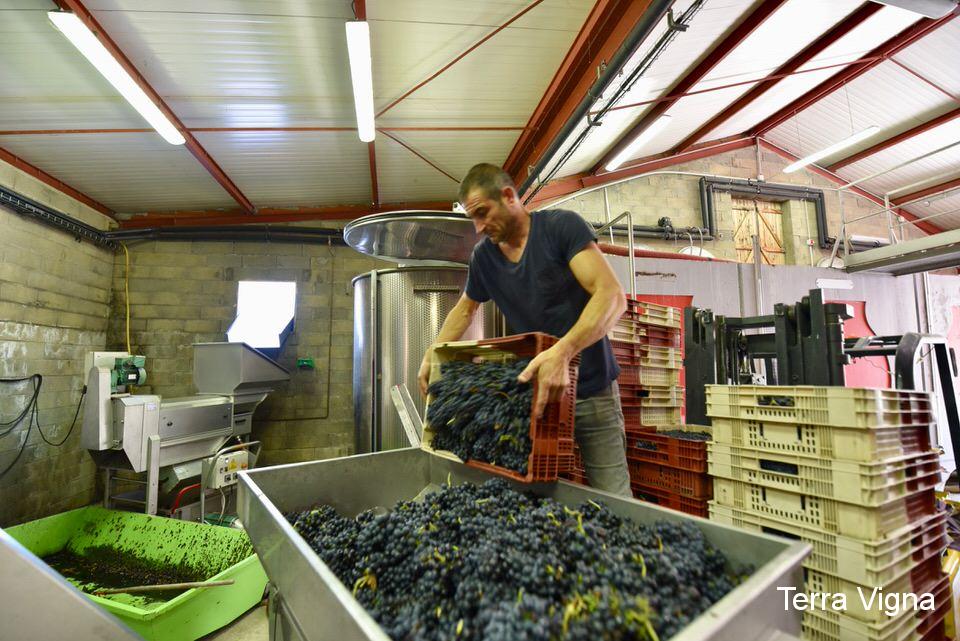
{"x":175,"y":441}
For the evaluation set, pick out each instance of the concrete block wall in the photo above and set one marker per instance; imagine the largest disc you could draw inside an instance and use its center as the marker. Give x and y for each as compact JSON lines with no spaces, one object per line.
{"x":183,"y":293}
{"x":649,"y":198}
{"x":54,"y":303}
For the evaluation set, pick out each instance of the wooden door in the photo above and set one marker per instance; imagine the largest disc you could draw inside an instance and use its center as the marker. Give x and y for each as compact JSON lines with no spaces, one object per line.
{"x":747,"y":213}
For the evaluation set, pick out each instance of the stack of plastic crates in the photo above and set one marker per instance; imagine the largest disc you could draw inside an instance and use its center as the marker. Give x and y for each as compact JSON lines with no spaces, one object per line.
{"x":668,"y":466}
{"x":851,"y":472}
{"x":646,"y":343}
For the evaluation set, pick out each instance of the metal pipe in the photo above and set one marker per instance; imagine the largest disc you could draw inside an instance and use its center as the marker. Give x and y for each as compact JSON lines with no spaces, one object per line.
{"x":757,"y":278}
{"x":606,"y":212}
{"x":632,"y":259}
{"x":651,"y":18}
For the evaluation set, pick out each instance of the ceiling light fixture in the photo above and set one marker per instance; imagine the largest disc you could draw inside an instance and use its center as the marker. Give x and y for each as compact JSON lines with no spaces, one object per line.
{"x":641,"y":139}
{"x":832,"y":149}
{"x":361,"y":72}
{"x":93,"y":50}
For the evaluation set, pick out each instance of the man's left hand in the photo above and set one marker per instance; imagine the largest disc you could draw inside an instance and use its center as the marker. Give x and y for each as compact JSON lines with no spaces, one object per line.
{"x":552,"y":370}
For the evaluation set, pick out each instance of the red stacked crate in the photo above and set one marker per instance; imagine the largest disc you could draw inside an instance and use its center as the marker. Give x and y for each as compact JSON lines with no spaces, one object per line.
{"x":646,"y":344}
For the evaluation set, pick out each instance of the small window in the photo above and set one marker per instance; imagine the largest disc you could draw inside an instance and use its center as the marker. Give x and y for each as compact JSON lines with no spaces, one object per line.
{"x":264,"y":314}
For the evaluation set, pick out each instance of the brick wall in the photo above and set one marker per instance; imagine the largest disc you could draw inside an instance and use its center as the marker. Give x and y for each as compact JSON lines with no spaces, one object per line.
{"x":54,"y":301}
{"x":186,"y":292}
{"x":649,"y":198}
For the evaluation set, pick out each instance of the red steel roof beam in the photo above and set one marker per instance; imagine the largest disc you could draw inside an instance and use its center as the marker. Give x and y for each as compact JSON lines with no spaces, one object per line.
{"x":270,"y":215}
{"x":808,"y":53}
{"x":374,"y":187}
{"x":832,"y":177}
{"x":928,"y":191}
{"x":609,"y":23}
{"x":895,"y":140}
{"x":59,"y":185}
{"x":901,"y":41}
{"x":205,"y":159}
{"x":705,"y":66}
{"x":420,"y":156}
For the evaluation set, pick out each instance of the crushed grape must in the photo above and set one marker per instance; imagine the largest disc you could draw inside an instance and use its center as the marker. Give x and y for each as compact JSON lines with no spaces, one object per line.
{"x":488,"y":563}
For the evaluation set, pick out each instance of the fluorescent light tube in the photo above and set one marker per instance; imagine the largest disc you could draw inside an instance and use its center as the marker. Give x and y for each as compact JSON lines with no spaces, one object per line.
{"x":83,"y":39}
{"x":361,"y":72}
{"x":832,"y":149}
{"x":638,"y":142}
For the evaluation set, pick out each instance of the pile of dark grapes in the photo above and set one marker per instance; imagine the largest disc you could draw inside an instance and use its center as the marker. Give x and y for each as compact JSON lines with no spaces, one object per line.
{"x":644,"y":444}
{"x":480,"y":411}
{"x":488,"y":563}
{"x":687,"y":436}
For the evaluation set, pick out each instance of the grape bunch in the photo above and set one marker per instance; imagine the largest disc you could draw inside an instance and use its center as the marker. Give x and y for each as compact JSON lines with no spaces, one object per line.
{"x":485,"y":562}
{"x":480,"y":411}
{"x":687,"y":436}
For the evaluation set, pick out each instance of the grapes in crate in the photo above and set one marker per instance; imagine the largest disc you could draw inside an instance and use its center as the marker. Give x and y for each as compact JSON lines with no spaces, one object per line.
{"x":484,"y":562}
{"x":480,"y":411}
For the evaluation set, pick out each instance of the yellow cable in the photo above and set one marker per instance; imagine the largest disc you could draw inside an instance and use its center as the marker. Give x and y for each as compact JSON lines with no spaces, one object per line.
{"x":126,"y":290}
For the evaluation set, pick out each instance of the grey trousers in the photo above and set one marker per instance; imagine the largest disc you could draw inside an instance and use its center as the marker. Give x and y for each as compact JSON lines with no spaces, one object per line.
{"x":600,"y":434}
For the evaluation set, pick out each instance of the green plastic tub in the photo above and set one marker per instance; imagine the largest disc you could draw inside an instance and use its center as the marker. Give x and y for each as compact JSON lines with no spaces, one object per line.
{"x":216,"y":553}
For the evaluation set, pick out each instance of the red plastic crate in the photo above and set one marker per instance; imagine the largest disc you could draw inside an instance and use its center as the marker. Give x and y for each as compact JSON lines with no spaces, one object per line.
{"x":696,"y":485}
{"x":671,"y":500}
{"x":667,"y":450}
{"x":551,"y":435}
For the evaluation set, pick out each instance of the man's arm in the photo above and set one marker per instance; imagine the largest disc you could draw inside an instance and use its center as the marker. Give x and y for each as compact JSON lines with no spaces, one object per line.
{"x":607,"y":303}
{"x":453,"y":328}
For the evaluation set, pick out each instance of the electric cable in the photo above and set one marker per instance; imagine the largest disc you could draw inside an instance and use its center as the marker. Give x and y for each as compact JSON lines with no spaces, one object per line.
{"x":73,"y":424}
{"x":30,"y":405}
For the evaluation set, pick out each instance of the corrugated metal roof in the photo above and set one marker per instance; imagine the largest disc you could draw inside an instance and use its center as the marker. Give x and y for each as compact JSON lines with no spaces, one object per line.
{"x":293,"y":169}
{"x":873,"y":31}
{"x":45,"y":83}
{"x":915,"y":147}
{"x":887,"y":96}
{"x":945,"y":210}
{"x":411,"y":178}
{"x":283,"y":64}
{"x":125,"y":172}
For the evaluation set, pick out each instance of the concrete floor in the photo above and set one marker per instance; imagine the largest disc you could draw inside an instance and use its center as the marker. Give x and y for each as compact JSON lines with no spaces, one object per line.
{"x":251,"y":626}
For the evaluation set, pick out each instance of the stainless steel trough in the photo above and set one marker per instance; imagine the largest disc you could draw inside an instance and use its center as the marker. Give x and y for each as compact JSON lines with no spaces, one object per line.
{"x":309,"y":603}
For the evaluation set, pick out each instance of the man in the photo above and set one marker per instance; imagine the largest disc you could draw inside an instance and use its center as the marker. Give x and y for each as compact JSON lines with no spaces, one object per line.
{"x":545,"y":273}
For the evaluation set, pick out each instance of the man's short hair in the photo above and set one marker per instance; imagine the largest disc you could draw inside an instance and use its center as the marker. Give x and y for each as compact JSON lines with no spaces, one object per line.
{"x":490,"y":178}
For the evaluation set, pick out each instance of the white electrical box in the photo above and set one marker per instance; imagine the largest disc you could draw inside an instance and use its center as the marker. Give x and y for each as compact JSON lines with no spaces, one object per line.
{"x":225,"y":469}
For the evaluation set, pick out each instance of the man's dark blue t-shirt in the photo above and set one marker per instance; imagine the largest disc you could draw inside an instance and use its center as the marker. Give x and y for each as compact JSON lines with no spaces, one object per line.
{"x":540,"y":293}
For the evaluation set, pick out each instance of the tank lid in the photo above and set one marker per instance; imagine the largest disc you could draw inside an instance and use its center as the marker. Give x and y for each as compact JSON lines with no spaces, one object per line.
{"x":414,"y":237}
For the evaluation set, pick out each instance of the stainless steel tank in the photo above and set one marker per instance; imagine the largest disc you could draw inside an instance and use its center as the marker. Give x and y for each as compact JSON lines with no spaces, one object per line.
{"x":397,"y":313}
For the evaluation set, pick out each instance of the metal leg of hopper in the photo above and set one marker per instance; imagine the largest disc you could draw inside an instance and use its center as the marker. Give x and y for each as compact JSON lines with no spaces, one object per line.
{"x":280,"y":621}
{"x":153,"y":473}
{"x":107,"y":476}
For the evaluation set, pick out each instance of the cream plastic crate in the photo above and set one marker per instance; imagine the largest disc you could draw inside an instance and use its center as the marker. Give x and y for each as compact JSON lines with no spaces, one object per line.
{"x":907,"y":626}
{"x":660,"y":376}
{"x":667,"y":357}
{"x":829,"y":515}
{"x":866,"y":562}
{"x":869,"y":484}
{"x":661,"y":396}
{"x":833,"y":406}
{"x":851,"y":443}
{"x":821,"y":582}
{"x":657,"y":416}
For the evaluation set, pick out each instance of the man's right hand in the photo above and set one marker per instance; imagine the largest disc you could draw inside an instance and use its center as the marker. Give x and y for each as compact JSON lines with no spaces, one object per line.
{"x":423,"y":377}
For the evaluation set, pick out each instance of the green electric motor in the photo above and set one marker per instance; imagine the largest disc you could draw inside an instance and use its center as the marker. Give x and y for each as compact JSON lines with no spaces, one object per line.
{"x":128,"y":370}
